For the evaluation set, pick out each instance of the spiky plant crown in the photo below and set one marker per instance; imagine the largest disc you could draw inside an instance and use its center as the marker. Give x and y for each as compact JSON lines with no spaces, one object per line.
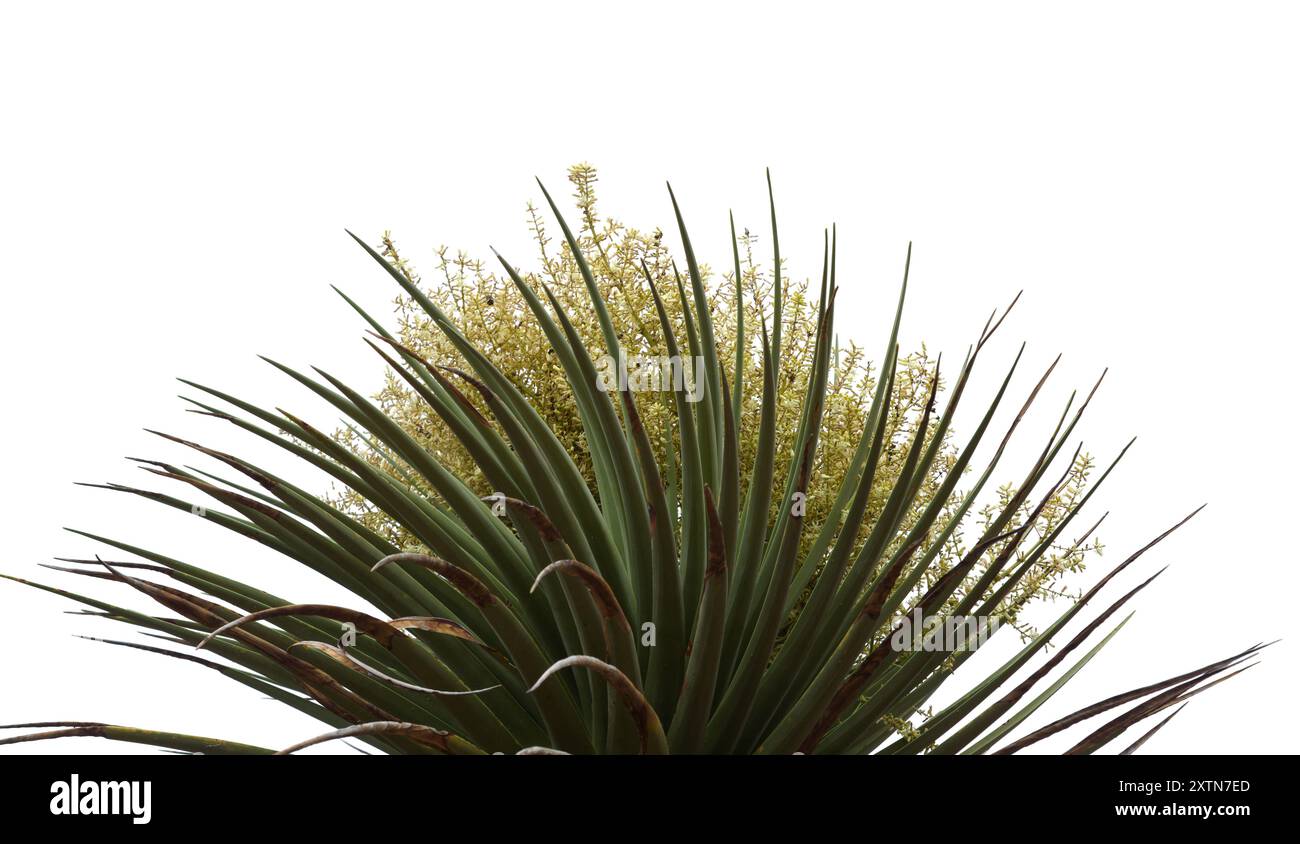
{"x":648,"y":573}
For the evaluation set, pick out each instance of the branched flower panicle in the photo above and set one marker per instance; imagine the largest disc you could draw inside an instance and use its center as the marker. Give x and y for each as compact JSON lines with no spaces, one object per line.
{"x":494,"y":316}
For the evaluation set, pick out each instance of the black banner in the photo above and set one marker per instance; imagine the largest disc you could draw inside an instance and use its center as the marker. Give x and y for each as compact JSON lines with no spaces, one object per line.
{"x":657,"y":796}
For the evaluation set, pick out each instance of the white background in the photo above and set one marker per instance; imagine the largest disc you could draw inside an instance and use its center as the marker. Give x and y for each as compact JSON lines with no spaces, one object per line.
{"x":175,"y":180}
